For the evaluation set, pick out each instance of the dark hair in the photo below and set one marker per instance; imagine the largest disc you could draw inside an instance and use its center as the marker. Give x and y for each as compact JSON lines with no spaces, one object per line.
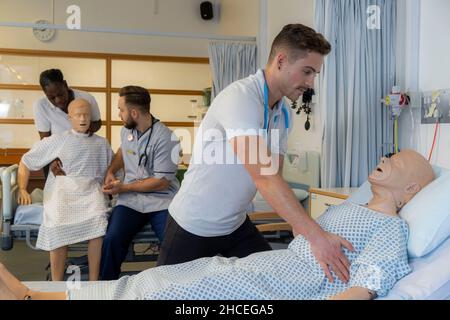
{"x":50,"y":76}
{"x":136,"y":97}
{"x":298,"y":40}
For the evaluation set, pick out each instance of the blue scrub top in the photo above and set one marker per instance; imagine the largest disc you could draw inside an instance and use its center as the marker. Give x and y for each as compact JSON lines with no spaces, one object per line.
{"x":162,"y":145}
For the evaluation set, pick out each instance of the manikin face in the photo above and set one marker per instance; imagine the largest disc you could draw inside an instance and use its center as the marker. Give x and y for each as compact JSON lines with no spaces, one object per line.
{"x":125,"y":116}
{"x":80,"y":115}
{"x":58,"y":94}
{"x":403,"y":175}
{"x":389,"y":171}
{"x":299,"y":76}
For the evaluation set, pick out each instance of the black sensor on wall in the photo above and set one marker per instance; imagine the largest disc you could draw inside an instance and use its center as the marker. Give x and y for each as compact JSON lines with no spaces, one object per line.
{"x":206,"y":10}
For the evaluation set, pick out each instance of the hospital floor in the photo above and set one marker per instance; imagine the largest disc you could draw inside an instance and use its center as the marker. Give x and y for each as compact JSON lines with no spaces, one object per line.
{"x":29,"y":265}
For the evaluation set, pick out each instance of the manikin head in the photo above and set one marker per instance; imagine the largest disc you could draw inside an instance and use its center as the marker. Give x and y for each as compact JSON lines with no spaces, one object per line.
{"x":296,"y":57}
{"x":80,"y":115}
{"x":397,"y":179}
{"x":134,"y":105}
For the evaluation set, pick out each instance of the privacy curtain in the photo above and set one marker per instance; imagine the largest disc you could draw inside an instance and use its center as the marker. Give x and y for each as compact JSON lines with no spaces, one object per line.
{"x":230,"y":61}
{"x":358,"y":73}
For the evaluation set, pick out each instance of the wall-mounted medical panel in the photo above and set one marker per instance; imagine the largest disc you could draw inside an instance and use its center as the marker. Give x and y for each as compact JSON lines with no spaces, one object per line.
{"x":436,"y":106}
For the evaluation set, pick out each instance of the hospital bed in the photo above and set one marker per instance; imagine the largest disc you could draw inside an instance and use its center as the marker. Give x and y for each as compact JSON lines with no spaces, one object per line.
{"x":429,"y":279}
{"x":22,"y":223}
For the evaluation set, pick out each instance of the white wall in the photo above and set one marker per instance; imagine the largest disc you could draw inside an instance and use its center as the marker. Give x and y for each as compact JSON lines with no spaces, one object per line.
{"x":279,"y":13}
{"x":237,"y":18}
{"x":433,"y":70}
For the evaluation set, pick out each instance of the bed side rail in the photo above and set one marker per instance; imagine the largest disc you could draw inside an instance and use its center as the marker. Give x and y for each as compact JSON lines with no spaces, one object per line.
{"x":9,"y":204}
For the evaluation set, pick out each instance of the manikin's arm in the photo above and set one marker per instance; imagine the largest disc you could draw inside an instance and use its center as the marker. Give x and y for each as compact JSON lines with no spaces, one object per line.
{"x":12,"y":288}
{"x":22,"y":181}
{"x":355,"y":293}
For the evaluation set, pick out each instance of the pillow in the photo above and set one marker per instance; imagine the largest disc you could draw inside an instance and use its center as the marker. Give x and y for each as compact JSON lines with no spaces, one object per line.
{"x":429,"y":279}
{"x":428,"y":216}
{"x":362,"y":195}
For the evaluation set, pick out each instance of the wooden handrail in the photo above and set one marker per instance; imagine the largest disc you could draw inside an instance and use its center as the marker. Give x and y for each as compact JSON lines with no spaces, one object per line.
{"x":100,"y":55}
{"x":277,"y":226}
{"x":263,"y":216}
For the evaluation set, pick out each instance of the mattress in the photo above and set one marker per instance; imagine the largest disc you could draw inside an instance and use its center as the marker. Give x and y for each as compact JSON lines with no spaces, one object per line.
{"x":29,"y":214}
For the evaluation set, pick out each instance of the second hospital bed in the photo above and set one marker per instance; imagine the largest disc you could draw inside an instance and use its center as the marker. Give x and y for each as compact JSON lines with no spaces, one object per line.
{"x":21,"y":223}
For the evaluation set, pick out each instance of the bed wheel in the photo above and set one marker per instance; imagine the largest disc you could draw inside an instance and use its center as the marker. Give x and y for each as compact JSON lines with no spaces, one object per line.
{"x":7,"y":242}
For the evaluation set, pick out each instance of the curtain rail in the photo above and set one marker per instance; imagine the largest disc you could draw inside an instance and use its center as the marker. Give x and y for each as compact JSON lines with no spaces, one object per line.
{"x":128,"y":31}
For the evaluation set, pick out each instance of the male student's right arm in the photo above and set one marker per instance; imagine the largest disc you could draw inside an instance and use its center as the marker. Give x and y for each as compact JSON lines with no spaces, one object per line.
{"x":326,"y":247}
{"x":239,"y":112}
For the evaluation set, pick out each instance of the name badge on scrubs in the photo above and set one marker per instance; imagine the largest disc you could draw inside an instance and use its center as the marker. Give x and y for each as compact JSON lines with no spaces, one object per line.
{"x":130,"y":137}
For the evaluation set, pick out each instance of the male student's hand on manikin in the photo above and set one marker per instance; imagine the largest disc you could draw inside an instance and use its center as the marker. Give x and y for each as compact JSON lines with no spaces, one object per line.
{"x":327,"y":248}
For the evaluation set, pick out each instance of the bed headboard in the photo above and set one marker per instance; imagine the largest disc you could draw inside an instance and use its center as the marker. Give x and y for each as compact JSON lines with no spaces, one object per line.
{"x":302,"y":169}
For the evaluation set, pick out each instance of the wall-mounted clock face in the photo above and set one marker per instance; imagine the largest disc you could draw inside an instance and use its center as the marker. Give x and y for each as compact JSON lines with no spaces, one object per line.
{"x":43,"y":34}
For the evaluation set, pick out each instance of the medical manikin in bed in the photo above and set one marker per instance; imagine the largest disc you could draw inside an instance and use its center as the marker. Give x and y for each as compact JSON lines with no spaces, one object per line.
{"x":378,"y":235}
{"x":75,"y":208}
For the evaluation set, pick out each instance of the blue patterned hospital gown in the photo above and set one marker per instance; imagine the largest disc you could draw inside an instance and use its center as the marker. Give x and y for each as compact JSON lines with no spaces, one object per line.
{"x":379,"y":261}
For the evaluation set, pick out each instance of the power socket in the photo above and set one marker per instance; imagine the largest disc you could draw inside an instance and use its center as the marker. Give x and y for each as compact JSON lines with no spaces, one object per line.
{"x":435,"y":106}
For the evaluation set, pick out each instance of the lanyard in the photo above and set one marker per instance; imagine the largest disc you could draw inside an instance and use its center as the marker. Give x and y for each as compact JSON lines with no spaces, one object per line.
{"x":266,"y":108}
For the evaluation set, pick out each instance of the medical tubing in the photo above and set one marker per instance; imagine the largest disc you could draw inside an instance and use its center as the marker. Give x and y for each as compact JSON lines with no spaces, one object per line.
{"x":434,"y":139}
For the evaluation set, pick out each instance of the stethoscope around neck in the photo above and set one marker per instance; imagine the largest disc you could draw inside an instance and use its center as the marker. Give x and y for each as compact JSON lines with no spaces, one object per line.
{"x":266,"y":108}
{"x":143,"y":158}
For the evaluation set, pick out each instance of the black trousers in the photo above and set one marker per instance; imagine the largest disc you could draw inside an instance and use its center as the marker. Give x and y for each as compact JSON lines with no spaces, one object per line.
{"x":181,"y":246}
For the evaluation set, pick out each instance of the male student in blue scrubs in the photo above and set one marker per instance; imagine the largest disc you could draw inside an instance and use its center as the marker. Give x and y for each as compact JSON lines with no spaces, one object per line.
{"x":149,"y":155}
